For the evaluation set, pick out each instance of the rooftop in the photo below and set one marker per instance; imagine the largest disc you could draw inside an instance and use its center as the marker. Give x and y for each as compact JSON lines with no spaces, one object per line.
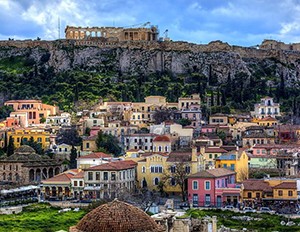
{"x":212,"y":173}
{"x":117,"y":216}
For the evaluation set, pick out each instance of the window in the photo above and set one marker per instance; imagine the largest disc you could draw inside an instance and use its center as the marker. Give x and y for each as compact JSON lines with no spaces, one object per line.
{"x":156,"y":181}
{"x":280,"y":193}
{"x":143,"y":169}
{"x":195,"y":185}
{"x":249,"y":195}
{"x":97,"y":175}
{"x":210,"y":156}
{"x":105,"y":175}
{"x":113,"y":176}
{"x":172,"y":182}
{"x":290,"y":193}
{"x":75,"y":183}
{"x":207,"y":185}
{"x":172,"y":169}
{"x":207,"y":199}
{"x":187,"y":169}
{"x":39,"y":139}
{"x":90,"y":176}
{"x":224,"y":165}
{"x":257,"y":195}
{"x":232,"y":166}
{"x":156,"y":169}
{"x":81,"y":183}
{"x":87,"y":145}
{"x":66,"y":149}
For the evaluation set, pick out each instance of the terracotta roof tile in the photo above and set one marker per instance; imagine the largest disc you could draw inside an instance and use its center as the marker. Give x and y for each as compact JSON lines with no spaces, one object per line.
{"x":118,"y":216}
{"x":215,"y":150}
{"x":212,"y":173}
{"x":286,"y":185}
{"x":95,"y":155}
{"x":161,"y":138}
{"x":116,"y":165}
{"x":260,"y":185}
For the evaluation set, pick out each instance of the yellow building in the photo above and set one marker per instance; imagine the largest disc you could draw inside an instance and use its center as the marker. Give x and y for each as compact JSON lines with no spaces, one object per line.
{"x":237,"y":162}
{"x":154,"y":167}
{"x":285,"y":191}
{"x":272,"y":189}
{"x":89,"y":144}
{"x":256,"y":189}
{"x":39,"y":135}
{"x":210,"y":154}
{"x":267,"y":121}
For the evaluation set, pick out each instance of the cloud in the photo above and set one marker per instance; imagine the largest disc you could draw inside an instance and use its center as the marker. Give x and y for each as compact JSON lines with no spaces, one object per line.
{"x":241,"y":22}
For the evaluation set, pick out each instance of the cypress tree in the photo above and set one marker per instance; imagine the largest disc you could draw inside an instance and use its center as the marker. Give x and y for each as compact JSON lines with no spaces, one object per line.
{"x":10,"y":146}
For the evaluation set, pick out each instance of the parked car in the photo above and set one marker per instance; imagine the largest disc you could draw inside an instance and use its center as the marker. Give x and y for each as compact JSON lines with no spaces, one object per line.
{"x":184,"y":205}
{"x":228,"y":207}
{"x":248,"y":210}
{"x":266,"y":210}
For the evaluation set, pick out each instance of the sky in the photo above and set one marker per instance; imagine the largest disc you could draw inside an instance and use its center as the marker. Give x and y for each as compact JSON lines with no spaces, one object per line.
{"x":237,"y":22}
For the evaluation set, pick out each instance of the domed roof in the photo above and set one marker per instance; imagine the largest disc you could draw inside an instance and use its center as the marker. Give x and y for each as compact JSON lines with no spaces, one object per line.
{"x":24,"y":149}
{"x":117,"y":216}
{"x":161,"y":138}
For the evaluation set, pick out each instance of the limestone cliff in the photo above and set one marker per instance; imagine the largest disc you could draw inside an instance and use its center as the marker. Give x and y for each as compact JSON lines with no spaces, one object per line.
{"x":144,"y":58}
{"x":84,"y":70}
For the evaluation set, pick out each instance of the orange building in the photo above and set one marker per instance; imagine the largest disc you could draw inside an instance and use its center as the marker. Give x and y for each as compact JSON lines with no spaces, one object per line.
{"x":34,"y":110}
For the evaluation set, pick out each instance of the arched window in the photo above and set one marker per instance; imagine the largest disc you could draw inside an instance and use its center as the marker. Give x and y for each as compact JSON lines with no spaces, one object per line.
{"x":172,"y":181}
{"x":4,"y":176}
{"x":156,"y":181}
{"x":143,"y":169}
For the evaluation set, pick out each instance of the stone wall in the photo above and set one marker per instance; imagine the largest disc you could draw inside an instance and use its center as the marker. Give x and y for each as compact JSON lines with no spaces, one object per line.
{"x":11,"y":210}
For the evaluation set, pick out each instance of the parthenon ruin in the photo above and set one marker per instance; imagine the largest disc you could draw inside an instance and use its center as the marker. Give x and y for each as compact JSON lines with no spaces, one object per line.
{"x":112,"y":33}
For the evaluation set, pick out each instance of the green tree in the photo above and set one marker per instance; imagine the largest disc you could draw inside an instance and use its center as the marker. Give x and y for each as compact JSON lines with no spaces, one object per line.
{"x":10,"y":146}
{"x":73,"y":157}
{"x":184,"y":121}
{"x":69,"y":136}
{"x":35,"y":145}
{"x":178,"y":175}
{"x":5,"y":111}
{"x":109,"y":143}
{"x":42,"y":120}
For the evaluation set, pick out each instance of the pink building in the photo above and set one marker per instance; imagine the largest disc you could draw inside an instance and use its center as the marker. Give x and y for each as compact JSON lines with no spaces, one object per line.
{"x":213,"y":187}
{"x":272,"y":149}
{"x":208,"y":129}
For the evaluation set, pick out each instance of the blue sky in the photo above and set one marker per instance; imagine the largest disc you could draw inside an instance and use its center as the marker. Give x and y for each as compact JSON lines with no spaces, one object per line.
{"x":238,"y":22}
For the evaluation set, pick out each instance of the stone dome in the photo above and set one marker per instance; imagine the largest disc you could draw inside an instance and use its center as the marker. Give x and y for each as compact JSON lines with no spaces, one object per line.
{"x":117,"y":216}
{"x":24,"y":149}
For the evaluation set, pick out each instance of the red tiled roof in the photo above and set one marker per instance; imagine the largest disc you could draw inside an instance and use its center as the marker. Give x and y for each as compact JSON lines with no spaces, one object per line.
{"x":117,"y":165}
{"x":215,"y":150}
{"x":161,"y":138}
{"x":79,"y":175}
{"x":212,"y":173}
{"x":260,"y":185}
{"x":90,"y":138}
{"x":62,"y":177}
{"x":286,"y":185}
{"x":95,"y":155}
{"x":269,"y":118}
{"x":146,"y":154}
{"x":179,"y":157}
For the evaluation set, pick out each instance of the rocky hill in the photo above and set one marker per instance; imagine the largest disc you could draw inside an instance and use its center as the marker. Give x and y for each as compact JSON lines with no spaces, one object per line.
{"x":69,"y":71}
